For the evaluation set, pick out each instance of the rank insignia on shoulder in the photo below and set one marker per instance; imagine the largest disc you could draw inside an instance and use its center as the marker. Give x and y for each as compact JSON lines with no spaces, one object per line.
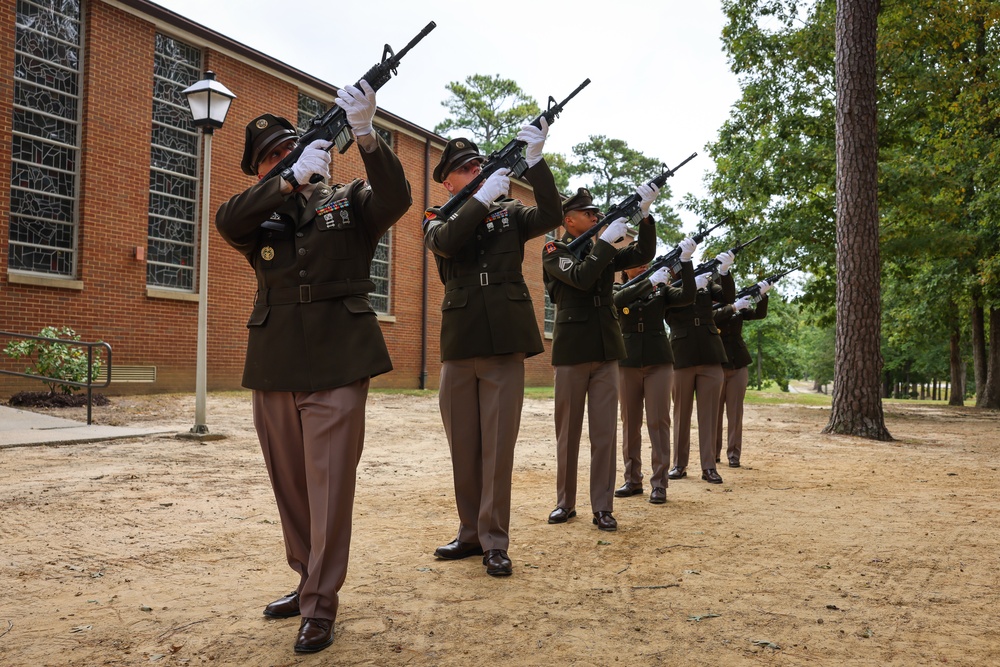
{"x":550,"y":248}
{"x":565,"y":263}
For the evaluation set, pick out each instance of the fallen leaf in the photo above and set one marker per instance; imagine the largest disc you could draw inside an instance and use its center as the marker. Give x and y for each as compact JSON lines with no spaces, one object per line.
{"x":145,"y":608}
{"x":82,"y":628}
{"x":697,"y":619}
{"x":765,"y":644}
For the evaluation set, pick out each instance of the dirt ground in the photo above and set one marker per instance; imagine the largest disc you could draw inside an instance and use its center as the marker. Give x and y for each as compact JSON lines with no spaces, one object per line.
{"x":820,"y":550}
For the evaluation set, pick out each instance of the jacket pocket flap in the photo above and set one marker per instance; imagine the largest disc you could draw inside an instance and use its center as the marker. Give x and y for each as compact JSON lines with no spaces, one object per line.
{"x":456,"y":298}
{"x":258,"y":316}
{"x":572,"y":314}
{"x":358,"y":304}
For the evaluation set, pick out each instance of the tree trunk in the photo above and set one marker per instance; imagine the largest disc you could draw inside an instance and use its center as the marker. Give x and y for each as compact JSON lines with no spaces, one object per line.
{"x":979,"y":364}
{"x":955,"y":364}
{"x":857,"y":401}
{"x":991,"y":388}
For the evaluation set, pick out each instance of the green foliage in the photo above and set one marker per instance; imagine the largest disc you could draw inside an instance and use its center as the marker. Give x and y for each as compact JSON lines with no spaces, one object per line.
{"x":561,"y":170}
{"x":55,"y":360}
{"x":772,"y":343}
{"x":488,"y":108}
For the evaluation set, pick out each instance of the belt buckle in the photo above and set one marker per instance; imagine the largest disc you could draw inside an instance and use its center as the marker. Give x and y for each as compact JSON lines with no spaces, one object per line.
{"x":484,"y":279}
{"x":597,"y":302}
{"x":697,"y":322}
{"x":641,"y":327}
{"x":305,"y":294}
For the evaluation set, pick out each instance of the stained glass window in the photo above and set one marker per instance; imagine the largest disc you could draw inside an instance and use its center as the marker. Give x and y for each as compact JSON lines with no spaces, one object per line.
{"x":45,"y":147}
{"x":173,"y":170}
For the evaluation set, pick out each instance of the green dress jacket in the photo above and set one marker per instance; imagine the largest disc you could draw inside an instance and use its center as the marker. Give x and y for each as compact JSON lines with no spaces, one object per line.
{"x":586,"y":326}
{"x":730,"y":323}
{"x":694,"y":337}
{"x":312,"y":326}
{"x":641,"y":312}
{"x":487,"y":309}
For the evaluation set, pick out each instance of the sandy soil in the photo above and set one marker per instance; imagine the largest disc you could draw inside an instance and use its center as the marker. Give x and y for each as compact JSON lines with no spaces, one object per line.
{"x":820,"y":550}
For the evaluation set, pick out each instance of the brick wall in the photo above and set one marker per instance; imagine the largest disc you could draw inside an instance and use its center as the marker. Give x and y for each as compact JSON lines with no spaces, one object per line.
{"x":113,"y":304}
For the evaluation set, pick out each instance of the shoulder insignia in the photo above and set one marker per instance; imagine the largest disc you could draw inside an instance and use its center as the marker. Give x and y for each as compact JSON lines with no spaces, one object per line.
{"x":550,"y":248}
{"x":565,"y":263}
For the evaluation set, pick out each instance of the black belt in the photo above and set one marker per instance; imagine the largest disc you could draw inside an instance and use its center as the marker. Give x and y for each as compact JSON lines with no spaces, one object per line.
{"x":281,"y":296}
{"x":485,"y":278}
{"x":585,"y":302}
{"x":640,"y":328}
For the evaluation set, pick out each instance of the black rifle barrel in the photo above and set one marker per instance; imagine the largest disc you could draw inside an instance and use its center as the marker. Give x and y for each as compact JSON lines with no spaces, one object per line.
{"x":333,"y":121}
{"x":625,"y":208}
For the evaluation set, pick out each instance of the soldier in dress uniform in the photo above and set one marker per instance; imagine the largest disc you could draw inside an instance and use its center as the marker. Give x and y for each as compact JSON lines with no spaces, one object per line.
{"x":730,"y":319}
{"x":488,"y":327}
{"x":587,"y":345}
{"x":314,"y":339}
{"x":646,"y":374}
{"x":698,"y":359}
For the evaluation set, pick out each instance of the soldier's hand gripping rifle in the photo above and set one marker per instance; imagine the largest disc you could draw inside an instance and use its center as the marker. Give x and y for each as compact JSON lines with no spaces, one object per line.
{"x":753,"y":292}
{"x":627,"y":208}
{"x":712,"y":264}
{"x":332,"y":125}
{"x":672,"y":259}
{"x":508,"y":157}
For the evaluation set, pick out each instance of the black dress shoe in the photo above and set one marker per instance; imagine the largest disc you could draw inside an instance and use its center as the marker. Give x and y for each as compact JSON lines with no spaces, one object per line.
{"x":456,"y":550}
{"x":285,"y":607}
{"x":628,"y":489}
{"x":658,"y":496}
{"x":604,"y":521}
{"x":497,"y":564}
{"x":561,"y":515}
{"x":718,"y":460}
{"x":734,"y":462}
{"x":711,"y":476}
{"x":315,"y":634}
{"x":677,"y":473}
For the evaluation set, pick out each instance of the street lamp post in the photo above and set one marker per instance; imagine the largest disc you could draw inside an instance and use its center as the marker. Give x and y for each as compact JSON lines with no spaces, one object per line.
{"x":209,"y":101}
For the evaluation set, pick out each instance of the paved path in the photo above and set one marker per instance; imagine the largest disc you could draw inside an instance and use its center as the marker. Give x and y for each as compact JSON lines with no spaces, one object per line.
{"x":22,"y":428}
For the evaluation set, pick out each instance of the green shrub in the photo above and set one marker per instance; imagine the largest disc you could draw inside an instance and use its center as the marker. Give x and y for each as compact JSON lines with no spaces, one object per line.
{"x":56,"y":361}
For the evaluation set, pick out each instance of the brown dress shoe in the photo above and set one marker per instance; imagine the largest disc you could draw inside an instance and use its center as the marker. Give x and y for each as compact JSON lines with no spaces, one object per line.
{"x":561,"y":515}
{"x":315,"y":634}
{"x":677,"y":473}
{"x":628,"y":489}
{"x":711,"y":476}
{"x":285,"y":607}
{"x":456,"y":550}
{"x":604,"y":521}
{"x":658,"y":496}
{"x":497,"y":564}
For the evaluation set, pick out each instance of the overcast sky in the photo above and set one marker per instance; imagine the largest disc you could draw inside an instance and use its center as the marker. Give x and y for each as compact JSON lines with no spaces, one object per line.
{"x":659,"y":78}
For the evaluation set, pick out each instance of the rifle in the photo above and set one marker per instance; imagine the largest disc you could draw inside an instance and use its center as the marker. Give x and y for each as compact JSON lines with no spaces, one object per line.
{"x":704,"y":267}
{"x":753,"y":291}
{"x":671,"y":259}
{"x":627,"y":208}
{"x":508,"y":157}
{"x":332,"y":125}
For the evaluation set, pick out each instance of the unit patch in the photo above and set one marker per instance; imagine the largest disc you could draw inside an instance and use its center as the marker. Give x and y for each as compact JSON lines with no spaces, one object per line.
{"x":550,"y":248}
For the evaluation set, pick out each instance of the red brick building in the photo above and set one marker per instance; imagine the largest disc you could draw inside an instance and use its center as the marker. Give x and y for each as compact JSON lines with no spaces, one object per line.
{"x":99,"y":227}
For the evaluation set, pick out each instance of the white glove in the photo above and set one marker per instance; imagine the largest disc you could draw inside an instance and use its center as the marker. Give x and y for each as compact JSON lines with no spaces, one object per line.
{"x":615,"y":231}
{"x":498,"y":183}
{"x":764,"y":287}
{"x":647,"y":195}
{"x":315,"y":159}
{"x":687,"y":247}
{"x":701,"y":280}
{"x":726,"y":260}
{"x":359,"y":105}
{"x":742,"y":303}
{"x":535,"y":139}
{"x":660,"y":277}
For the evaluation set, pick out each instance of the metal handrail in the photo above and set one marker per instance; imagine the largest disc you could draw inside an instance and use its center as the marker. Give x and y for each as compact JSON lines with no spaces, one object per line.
{"x":90,"y":367}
